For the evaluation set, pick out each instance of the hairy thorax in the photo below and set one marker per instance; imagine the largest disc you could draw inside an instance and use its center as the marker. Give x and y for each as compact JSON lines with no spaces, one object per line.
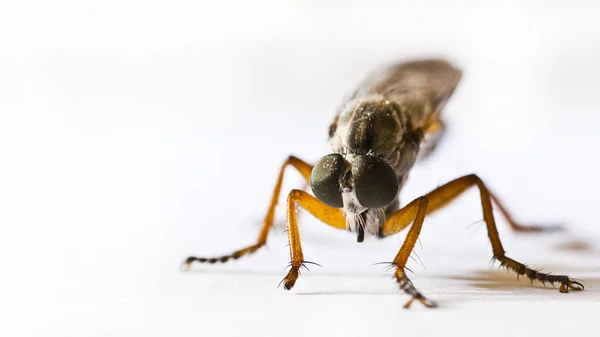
{"x":374,"y":126}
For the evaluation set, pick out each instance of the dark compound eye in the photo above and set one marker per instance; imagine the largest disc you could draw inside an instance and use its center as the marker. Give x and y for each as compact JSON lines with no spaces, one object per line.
{"x":375,"y":181}
{"x":325,"y":179}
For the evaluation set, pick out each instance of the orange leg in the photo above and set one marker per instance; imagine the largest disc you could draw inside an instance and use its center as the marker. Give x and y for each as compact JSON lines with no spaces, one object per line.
{"x":329,"y":215}
{"x":299,"y":165}
{"x":515,"y":225}
{"x":435,"y":200}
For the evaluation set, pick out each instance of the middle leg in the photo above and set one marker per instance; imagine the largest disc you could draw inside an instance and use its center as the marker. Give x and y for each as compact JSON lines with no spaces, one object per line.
{"x":304,"y":169}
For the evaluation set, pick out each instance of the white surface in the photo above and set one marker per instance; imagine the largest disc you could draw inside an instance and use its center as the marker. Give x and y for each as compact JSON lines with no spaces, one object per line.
{"x":133,"y":134}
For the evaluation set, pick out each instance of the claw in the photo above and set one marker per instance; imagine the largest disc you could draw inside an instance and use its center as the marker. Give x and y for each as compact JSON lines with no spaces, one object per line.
{"x":280,"y":282}
{"x":573,"y":285}
{"x":290,"y":279}
{"x":428,"y":303}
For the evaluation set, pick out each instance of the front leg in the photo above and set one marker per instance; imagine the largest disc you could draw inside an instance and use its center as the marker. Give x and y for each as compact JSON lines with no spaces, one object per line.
{"x":413,"y":213}
{"x":329,"y":215}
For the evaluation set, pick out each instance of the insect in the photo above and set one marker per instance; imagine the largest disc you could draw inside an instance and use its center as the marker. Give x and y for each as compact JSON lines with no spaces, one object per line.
{"x":390,"y":121}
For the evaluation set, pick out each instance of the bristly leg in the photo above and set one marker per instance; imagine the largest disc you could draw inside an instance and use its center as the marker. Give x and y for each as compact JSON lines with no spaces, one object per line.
{"x":414,"y":213}
{"x":222,"y":259}
{"x":407,"y":286}
{"x":566,"y":282}
{"x":295,"y":267}
{"x":304,"y":169}
{"x":391,"y":265}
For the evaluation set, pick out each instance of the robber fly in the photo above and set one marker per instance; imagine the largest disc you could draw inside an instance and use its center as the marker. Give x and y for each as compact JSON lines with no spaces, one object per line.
{"x":390,"y":122}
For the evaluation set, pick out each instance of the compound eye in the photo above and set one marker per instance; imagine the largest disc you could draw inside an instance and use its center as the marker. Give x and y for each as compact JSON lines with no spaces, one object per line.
{"x":375,"y":181}
{"x":325,"y":180}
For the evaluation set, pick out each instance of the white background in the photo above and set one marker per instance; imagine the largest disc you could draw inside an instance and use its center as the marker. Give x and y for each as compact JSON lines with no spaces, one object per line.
{"x":135,"y":133}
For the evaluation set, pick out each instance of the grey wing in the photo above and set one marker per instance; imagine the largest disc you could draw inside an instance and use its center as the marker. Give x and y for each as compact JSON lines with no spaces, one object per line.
{"x":422,"y":85}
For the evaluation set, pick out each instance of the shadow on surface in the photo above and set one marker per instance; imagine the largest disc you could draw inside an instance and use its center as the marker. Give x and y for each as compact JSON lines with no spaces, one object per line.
{"x":506,"y":280}
{"x":282,"y":273}
{"x":576,"y":246}
{"x":347,"y":292}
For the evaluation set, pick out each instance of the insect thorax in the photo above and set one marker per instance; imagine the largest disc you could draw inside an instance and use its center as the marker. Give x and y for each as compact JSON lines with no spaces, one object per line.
{"x":376,"y":126}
